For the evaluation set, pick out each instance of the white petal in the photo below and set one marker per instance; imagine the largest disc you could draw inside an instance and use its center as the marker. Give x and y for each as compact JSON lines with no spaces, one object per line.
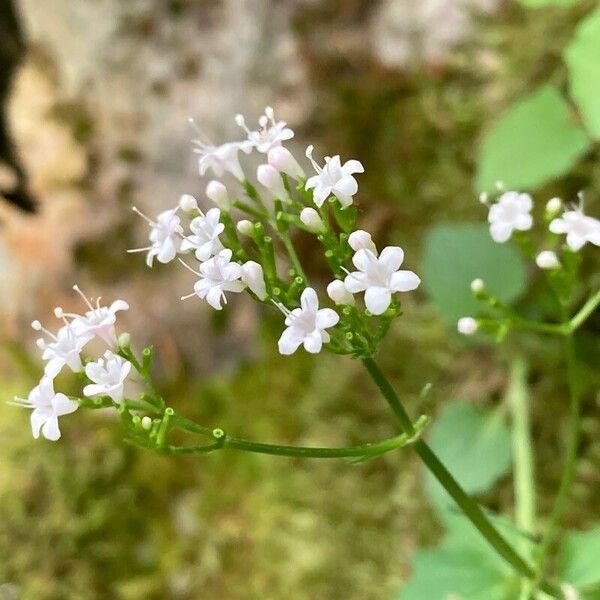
{"x":50,"y":429}
{"x":344,"y":200}
{"x":377,"y":299}
{"x":62,"y":405}
{"x":524,"y":222}
{"x":326,"y":317}
{"x":214,"y":297}
{"x":558,"y":226}
{"x":321,"y":194}
{"x":38,"y":418}
{"x":290,"y":341}
{"x":94,"y":389}
{"x":352,"y":166}
{"x":313,"y":342}
{"x":312,"y":182}
{"x":346,"y":185}
{"x":167,"y":252}
{"x":404,"y":281}
{"x":576,"y":241}
{"x":118,"y":305}
{"x":500,"y":231}
{"x":391,"y":258}
{"x":309,"y":300}
{"x":363,"y":259}
{"x":54,"y":366}
{"x":356,"y":282}
{"x":524,"y":202}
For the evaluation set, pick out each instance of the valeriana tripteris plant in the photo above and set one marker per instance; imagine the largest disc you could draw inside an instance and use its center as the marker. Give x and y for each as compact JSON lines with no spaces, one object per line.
{"x":245,"y":244}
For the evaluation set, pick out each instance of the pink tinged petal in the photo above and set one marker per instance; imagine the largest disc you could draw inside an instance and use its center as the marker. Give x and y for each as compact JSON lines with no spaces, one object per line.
{"x":391,"y":258}
{"x":50,"y":429}
{"x":290,"y":341}
{"x":313,"y":342}
{"x":404,"y":281}
{"x":356,"y":282}
{"x":63,"y":405}
{"x":38,"y":418}
{"x":326,"y":317}
{"x":524,"y":222}
{"x":377,"y":299}
{"x":500,"y":232}
{"x":363,"y":259}
{"x":352,"y":166}
{"x":309,"y":300}
{"x":346,"y":186}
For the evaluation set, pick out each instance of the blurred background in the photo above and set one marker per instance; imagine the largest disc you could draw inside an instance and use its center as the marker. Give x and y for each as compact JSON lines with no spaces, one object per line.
{"x":95,"y":100}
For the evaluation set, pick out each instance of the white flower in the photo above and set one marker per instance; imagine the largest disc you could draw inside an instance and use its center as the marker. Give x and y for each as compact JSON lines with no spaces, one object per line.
{"x":271,"y":133}
{"x":311,"y":218}
{"x":205,"y":235}
{"x":467,"y":326}
{"x":165,"y":236}
{"x":253,"y":277}
{"x":379,"y":277}
{"x":221,"y":159}
{"x":217,"y":276}
{"x":359,"y":240}
{"x":282,"y":159}
{"x":64,"y":349}
{"x":547,"y":260}
{"x":510,"y":212}
{"x":580,"y":228}
{"x":217,"y":192}
{"x":337,"y":291}
{"x":98,"y":321}
{"x":47,"y":407}
{"x":334,"y":178}
{"x":108,"y":375}
{"x":306,"y":325}
{"x":269,"y":177}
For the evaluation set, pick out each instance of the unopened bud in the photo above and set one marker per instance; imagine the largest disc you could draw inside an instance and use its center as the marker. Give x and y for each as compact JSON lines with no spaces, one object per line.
{"x":188,"y":203}
{"x":146,"y":423}
{"x":337,"y":291}
{"x":547,"y":259}
{"x":361,"y":240}
{"x":253,"y":277}
{"x":282,"y":159}
{"x":477,"y":286}
{"x":553,"y":206}
{"x":217,"y":192}
{"x":269,"y":176}
{"x":245,"y":227}
{"x":467,"y":326}
{"x":124,"y":340}
{"x":311,"y":218}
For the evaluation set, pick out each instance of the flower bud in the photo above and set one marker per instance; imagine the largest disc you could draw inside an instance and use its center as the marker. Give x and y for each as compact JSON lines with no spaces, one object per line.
{"x":146,"y":423}
{"x":477,"y":286}
{"x":360,"y":240}
{"x":124,"y":340}
{"x":217,"y":192}
{"x":269,"y":176}
{"x":337,"y":291}
{"x":553,"y":206}
{"x":467,"y":326}
{"x":245,"y":227}
{"x":188,"y":203}
{"x":253,"y":277}
{"x":311,"y":218}
{"x":281,"y":159}
{"x":547,"y":259}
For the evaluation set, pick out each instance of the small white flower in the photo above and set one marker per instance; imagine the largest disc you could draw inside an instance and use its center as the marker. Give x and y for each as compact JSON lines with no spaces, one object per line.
{"x":165,"y":236}
{"x":580,"y":228}
{"x":64,"y":349}
{"x":253,"y":277}
{"x":379,"y":277}
{"x":269,"y":177}
{"x":98,"y":321}
{"x":217,"y":192}
{"x":205,"y":235}
{"x":337,"y":291}
{"x":283,"y":160}
{"x":217,"y":276}
{"x":510,"y":212}
{"x":477,"y":285}
{"x":187,"y":203}
{"x":108,"y":375}
{"x":270,"y":134}
{"x":221,"y":159}
{"x":311,"y":218}
{"x":47,"y":407}
{"x":547,"y":259}
{"x":359,"y":240}
{"x":333,"y":179}
{"x":306,"y":325}
{"x":467,"y":326}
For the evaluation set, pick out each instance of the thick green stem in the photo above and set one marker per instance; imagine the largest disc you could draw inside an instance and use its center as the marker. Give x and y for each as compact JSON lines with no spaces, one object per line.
{"x":564,"y":491}
{"x":468,"y":506}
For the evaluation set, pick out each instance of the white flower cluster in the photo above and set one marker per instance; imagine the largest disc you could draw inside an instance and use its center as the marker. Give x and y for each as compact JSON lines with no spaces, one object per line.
{"x":223,"y":265}
{"x":63,"y":349}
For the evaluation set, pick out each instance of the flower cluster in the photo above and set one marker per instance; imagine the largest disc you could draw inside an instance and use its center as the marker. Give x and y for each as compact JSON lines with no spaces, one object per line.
{"x":64,"y":348}
{"x":257,"y":253}
{"x":511,"y":213}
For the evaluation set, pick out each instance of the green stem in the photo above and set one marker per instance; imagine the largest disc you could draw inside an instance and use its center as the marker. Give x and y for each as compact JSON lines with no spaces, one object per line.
{"x":468,"y":506}
{"x":586,"y":310}
{"x":289,"y":246}
{"x":564,"y":491}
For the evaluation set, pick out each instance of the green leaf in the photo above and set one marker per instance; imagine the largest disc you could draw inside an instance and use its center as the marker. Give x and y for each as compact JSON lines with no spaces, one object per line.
{"x":535,"y":141}
{"x":540,"y":3}
{"x":474,"y":444}
{"x":578,"y":562}
{"x":582,"y":56}
{"x":457,"y":254}
{"x":463,"y":566}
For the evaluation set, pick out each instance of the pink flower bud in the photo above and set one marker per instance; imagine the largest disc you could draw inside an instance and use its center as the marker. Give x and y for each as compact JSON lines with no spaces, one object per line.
{"x":311,"y":218}
{"x":269,"y":177}
{"x":217,"y":192}
{"x":281,"y":159}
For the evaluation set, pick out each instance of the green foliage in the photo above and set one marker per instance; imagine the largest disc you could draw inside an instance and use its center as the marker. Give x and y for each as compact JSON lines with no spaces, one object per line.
{"x":534,"y":142}
{"x":475,"y":444}
{"x":582,"y":56}
{"x":457,"y":254}
{"x":462,"y":566}
{"x":578,"y":562}
{"x":542,"y":3}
